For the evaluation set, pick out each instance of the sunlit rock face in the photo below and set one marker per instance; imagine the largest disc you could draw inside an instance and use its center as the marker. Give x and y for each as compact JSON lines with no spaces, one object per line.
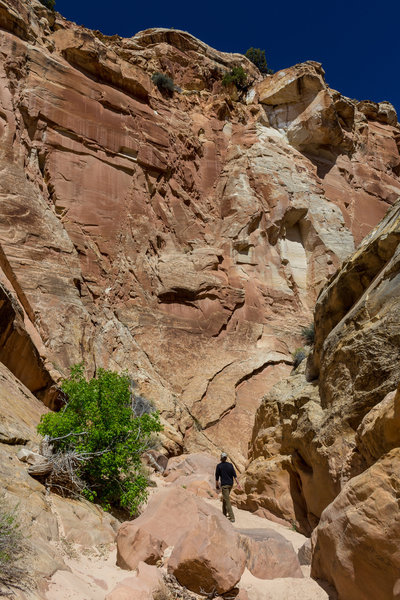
{"x":325,"y":442}
{"x":183,"y":237}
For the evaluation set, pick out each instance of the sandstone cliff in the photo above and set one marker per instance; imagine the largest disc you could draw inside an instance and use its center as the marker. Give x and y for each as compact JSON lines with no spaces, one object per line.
{"x":183,"y":238}
{"x":186,"y":238}
{"x":325,"y":451}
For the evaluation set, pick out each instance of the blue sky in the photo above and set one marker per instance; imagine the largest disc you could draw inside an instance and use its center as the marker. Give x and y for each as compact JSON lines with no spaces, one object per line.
{"x":356,"y":42}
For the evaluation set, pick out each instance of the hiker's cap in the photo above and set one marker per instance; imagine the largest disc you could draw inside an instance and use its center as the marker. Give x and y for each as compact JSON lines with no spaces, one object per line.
{"x":224,"y":455}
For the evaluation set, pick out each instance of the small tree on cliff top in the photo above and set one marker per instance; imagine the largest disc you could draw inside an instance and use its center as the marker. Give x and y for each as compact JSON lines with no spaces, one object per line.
{"x":257,"y":57}
{"x":50,"y":4}
{"x":104,"y":431}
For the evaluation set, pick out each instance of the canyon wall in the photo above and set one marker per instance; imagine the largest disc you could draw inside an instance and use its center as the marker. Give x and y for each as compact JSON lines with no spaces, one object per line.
{"x":325,"y":446}
{"x":186,"y":238}
{"x":182,"y":237}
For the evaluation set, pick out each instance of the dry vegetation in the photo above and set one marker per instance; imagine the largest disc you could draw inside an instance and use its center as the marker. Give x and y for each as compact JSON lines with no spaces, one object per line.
{"x":13,"y":549}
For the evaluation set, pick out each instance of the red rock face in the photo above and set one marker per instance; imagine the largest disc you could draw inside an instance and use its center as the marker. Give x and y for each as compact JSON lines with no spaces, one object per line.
{"x":184,"y":237}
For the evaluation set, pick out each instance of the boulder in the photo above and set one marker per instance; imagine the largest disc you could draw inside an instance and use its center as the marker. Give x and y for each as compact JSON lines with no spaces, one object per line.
{"x":269,"y":555}
{"x":145,"y":538}
{"x":189,"y":464}
{"x":208,"y":558}
{"x":156,"y":460}
{"x":199,"y":536}
{"x":356,"y":544}
{"x":32,"y":458}
{"x":135,"y":545}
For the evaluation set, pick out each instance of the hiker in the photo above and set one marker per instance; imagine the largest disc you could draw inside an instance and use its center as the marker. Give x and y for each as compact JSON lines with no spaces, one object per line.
{"x":225,"y":471}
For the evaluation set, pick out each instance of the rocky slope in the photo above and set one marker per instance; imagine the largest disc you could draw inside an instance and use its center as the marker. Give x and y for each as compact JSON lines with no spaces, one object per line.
{"x":183,"y":238}
{"x":265,"y":560}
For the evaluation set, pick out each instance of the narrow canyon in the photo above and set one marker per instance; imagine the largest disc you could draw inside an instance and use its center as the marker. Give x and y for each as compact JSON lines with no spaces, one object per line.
{"x":187,"y":237}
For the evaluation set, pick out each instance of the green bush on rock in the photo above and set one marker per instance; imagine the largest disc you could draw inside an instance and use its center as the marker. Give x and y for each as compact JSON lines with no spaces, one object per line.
{"x":237,"y":76}
{"x":102,"y":430}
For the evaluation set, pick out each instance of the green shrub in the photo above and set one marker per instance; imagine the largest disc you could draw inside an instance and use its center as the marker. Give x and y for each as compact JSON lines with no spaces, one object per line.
{"x":257,"y":57}
{"x":298,"y":356}
{"x":12,"y":550}
{"x":308,"y":334}
{"x":238,"y":76}
{"x":102,"y":430}
{"x":163,"y":82}
{"x":50,"y":4}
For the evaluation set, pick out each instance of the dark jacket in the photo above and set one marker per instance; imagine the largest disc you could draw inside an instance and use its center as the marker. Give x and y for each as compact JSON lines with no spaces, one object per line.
{"x":226,"y":472}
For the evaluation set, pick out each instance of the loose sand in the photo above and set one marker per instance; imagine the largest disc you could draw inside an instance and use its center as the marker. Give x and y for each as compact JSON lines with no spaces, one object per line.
{"x":92,"y":576}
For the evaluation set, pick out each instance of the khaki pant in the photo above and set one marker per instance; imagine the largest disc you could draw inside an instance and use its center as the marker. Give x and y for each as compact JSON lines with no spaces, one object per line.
{"x":226,"y":502}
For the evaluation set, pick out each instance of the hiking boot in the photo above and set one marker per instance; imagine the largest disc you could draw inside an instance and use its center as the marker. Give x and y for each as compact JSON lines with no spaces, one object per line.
{"x":232,"y":520}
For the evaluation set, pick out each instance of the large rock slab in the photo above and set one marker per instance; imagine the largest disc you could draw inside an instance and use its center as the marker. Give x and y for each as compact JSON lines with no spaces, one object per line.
{"x":21,"y":349}
{"x":355,"y":545}
{"x":269,"y":555}
{"x":292,"y":85}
